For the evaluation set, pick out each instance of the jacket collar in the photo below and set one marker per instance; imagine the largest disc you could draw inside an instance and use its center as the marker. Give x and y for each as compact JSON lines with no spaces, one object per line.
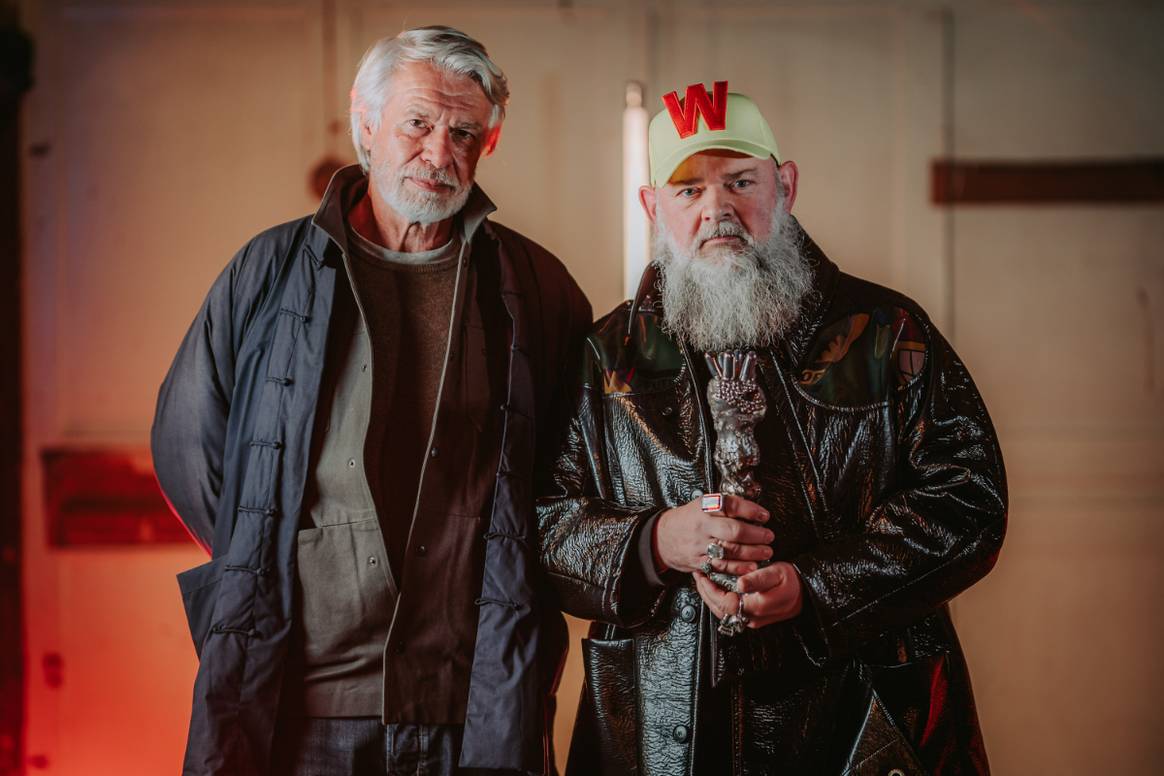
{"x":648,"y":297}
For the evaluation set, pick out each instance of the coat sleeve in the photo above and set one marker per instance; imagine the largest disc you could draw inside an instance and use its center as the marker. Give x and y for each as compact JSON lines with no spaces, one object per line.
{"x":932,"y":537}
{"x":587,"y":542}
{"x":189,"y":431}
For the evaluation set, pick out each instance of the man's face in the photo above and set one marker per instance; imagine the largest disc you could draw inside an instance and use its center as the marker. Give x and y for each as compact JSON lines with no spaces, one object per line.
{"x":433,"y":129}
{"x":716,"y":197}
{"x":733,"y":270}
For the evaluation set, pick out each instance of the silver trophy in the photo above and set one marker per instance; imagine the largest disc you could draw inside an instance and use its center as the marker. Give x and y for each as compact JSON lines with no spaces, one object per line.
{"x":737,"y":406}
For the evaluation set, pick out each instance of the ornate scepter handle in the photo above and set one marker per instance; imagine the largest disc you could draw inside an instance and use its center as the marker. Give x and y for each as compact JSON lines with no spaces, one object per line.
{"x":737,"y":405}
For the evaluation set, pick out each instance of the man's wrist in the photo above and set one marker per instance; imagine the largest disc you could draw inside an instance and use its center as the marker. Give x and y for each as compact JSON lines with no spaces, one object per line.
{"x":654,"y":569}
{"x":661,"y":566}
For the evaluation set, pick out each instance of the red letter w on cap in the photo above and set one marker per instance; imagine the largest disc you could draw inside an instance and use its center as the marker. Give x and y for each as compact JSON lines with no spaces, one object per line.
{"x":698,"y":101}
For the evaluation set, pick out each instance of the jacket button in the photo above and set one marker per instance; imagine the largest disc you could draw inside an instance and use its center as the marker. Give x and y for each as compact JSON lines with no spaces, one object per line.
{"x":400,"y":648}
{"x":896,"y":772}
{"x":681,"y":734}
{"x":433,"y":453}
{"x":687,"y":613}
{"x":667,"y":411}
{"x":422,"y":550}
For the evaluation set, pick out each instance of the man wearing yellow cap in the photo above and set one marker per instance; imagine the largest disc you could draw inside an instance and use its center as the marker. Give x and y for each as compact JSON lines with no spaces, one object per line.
{"x":771,"y":478}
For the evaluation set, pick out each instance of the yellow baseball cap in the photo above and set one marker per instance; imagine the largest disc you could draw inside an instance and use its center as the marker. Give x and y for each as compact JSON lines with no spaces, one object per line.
{"x":730,"y":121}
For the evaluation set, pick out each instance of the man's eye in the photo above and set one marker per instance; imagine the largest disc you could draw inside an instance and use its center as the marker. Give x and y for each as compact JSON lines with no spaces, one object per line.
{"x":688,"y":192}
{"x":415,"y":124}
{"x":742,"y":183}
{"x":464,"y":135}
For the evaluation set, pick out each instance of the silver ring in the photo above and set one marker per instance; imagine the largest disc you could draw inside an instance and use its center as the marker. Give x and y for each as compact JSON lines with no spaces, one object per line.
{"x":731,"y":625}
{"x":735,"y":624}
{"x":705,"y":567}
{"x":715,"y":550}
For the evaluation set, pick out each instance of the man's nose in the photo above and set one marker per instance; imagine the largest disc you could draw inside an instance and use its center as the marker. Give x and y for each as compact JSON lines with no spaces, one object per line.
{"x":438,"y":148}
{"x":715,"y":205}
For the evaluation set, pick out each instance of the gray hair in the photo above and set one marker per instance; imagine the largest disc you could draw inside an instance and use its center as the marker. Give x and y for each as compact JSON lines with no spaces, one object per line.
{"x":443,"y":47}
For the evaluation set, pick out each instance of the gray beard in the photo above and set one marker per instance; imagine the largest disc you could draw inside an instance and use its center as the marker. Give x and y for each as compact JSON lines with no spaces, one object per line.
{"x":741,"y":296}
{"x":420,"y":207}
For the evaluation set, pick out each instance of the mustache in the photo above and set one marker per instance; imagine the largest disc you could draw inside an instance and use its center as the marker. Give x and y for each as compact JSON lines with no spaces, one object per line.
{"x":431,"y":174}
{"x":723,"y":228}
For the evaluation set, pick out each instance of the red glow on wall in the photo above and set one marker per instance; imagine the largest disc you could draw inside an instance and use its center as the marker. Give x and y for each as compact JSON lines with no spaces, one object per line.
{"x":105,"y":497}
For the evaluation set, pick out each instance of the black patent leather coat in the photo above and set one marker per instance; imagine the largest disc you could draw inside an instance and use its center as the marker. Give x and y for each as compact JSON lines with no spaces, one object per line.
{"x":886,"y":487}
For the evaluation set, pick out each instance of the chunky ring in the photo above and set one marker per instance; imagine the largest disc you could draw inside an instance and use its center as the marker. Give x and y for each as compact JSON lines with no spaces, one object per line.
{"x":705,"y":567}
{"x":732,"y":625}
{"x":711,"y":502}
{"x":715,"y":550}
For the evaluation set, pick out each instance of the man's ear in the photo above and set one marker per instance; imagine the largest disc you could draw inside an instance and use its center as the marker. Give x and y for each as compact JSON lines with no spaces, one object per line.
{"x":366,"y":134}
{"x":647,"y":200}
{"x":365,"y":131}
{"x":789,"y":175}
{"x":491,"y":140}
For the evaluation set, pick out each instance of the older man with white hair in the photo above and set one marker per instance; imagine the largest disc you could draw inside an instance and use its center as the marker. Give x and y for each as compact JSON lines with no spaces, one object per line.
{"x":777,"y":604}
{"x":350,"y":428}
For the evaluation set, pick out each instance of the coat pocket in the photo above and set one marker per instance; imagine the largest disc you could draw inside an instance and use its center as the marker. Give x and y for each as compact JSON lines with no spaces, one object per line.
{"x":606,"y":738}
{"x":199,"y":587}
{"x":881,"y":748}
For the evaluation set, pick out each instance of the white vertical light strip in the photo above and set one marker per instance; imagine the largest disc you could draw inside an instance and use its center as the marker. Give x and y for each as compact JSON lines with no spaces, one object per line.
{"x":635,"y":173}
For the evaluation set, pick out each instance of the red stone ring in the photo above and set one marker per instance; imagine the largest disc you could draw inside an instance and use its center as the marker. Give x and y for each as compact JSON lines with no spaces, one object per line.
{"x":711,"y":502}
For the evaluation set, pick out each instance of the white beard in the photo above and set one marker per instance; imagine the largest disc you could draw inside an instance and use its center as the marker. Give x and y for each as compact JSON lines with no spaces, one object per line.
{"x":414,"y":204}
{"x":741,"y":296}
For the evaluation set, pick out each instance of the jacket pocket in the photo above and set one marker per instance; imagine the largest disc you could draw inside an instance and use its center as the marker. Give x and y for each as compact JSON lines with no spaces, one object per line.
{"x":882,"y":747}
{"x":199,"y":587}
{"x":345,"y":601}
{"x":606,"y":738}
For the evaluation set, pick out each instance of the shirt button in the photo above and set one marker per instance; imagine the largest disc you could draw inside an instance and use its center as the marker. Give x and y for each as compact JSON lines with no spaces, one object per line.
{"x":687,"y":613}
{"x":351,"y":463}
{"x":364,"y":368}
{"x":697,"y":493}
{"x":433,"y":453}
{"x":422,"y":550}
{"x":681,"y":734}
{"x":372,"y":561}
